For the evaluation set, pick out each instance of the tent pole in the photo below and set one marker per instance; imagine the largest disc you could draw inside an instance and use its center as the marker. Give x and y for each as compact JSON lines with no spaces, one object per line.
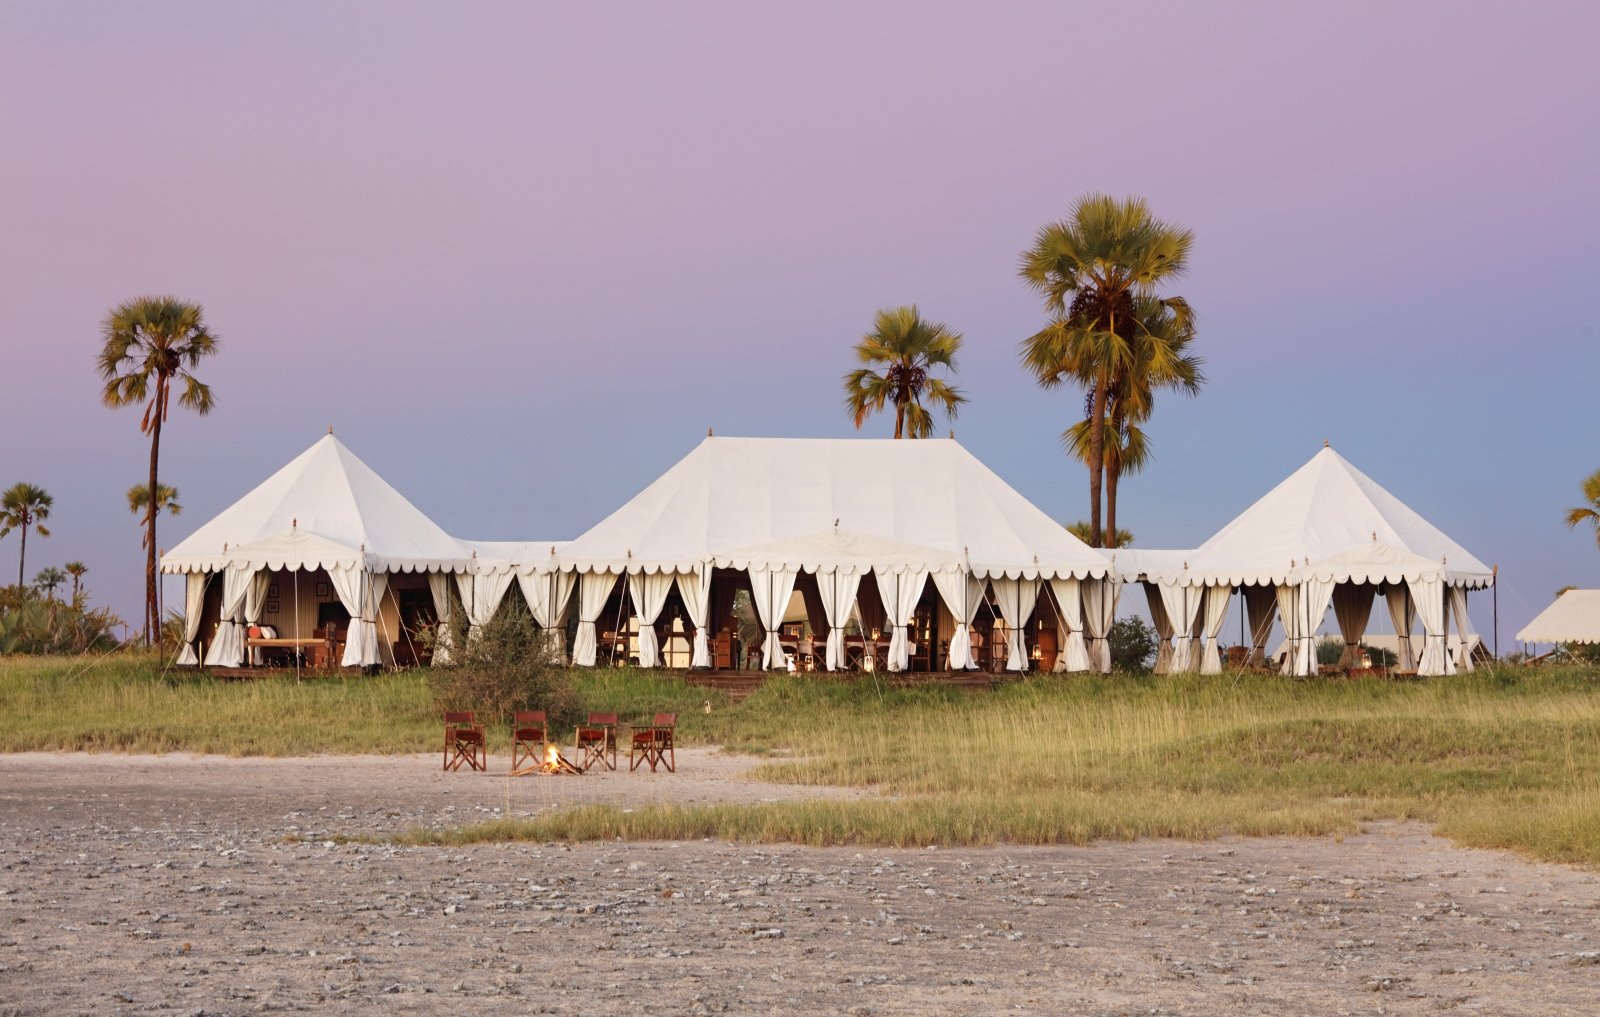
{"x":1494,"y":588}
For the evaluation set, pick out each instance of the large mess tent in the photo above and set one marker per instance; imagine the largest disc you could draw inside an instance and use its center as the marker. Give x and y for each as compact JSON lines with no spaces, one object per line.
{"x":1573,"y":618}
{"x":323,"y":552}
{"x":913,"y":542}
{"x":1326,"y":534}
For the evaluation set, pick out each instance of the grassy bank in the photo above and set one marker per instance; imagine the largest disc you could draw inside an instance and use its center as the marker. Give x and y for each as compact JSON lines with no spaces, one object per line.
{"x":1509,"y":758}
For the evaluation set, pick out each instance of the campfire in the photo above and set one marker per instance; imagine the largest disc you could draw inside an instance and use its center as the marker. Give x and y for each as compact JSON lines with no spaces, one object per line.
{"x":554,"y":764}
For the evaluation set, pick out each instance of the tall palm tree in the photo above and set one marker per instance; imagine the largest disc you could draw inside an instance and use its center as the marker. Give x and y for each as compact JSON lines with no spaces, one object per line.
{"x":77,"y":570}
{"x":1160,"y":359}
{"x":48,"y":579}
{"x":166,"y":501}
{"x":1092,"y":269}
{"x":22,"y":506}
{"x":907,"y":347}
{"x":148,"y":343}
{"x":1589,"y":513}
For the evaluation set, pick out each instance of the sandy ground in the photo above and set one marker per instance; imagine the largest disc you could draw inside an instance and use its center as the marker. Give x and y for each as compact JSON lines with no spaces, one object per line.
{"x":152,"y":884}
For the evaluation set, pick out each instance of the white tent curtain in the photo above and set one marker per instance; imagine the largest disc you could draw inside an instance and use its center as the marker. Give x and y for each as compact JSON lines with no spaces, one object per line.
{"x":481,"y":595}
{"x":1458,"y":607}
{"x":900,"y":593}
{"x":1163,"y":627}
{"x":1428,"y":597}
{"x":439,"y":586}
{"x":548,"y":595}
{"x":227,"y":647}
{"x":1016,"y":598}
{"x":837,"y":590}
{"x":1352,"y":606}
{"x":593,"y":592}
{"x":194,"y":602}
{"x":1074,"y":656}
{"x":1403,"y":613}
{"x":770,"y":589}
{"x":1216,"y":610}
{"x":694,"y":588}
{"x":1261,"y":604}
{"x":1099,"y":611}
{"x":1288,"y":599}
{"x":1183,"y":609}
{"x":649,"y":595}
{"x":1313,"y":603}
{"x":360,"y":592}
{"x":255,"y":601}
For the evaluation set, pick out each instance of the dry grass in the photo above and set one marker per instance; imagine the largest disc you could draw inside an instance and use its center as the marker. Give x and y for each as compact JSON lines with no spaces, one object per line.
{"x":1506,"y":759}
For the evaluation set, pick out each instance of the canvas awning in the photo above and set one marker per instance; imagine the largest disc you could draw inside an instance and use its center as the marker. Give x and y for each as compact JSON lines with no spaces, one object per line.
{"x":1573,"y":618}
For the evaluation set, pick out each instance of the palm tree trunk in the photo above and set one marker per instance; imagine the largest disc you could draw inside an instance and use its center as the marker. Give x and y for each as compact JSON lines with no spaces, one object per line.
{"x":150,"y":619}
{"x":1112,"y":474}
{"x":1097,"y":451}
{"x":899,"y":418}
{"x":22,"y":557}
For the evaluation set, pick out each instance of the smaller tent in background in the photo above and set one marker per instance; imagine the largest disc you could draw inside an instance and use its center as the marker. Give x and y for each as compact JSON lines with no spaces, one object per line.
{"x":1573,"y":618}
{"x":324,"y":551}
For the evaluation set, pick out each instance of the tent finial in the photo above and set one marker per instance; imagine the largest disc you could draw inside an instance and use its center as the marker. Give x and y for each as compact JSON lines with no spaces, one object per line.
{"x":708,"y":432}
{"x":224,"y":547}
{"x":952,"y":434}
{"x":630,"y":552}
{"x":294,"y":524}
{"x":330,"y":428}
{"x":1324,"y":443}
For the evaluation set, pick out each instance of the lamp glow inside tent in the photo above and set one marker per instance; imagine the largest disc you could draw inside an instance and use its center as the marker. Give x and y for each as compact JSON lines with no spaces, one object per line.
{"x":1326,"y":533}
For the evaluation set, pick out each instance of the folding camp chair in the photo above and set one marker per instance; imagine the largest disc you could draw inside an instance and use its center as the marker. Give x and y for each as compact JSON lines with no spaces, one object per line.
{"x":466,"y":738}
{"x":528,"y":741}
{"x":654,"y":744}
{"x":596,"y":741}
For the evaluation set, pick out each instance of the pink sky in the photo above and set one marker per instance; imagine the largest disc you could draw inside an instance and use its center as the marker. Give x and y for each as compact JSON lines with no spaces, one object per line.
{"x":520,"y":258}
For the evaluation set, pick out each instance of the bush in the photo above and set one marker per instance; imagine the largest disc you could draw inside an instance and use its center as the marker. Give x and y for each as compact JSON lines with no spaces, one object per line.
{"x":1133,"y":644}
{"x":508,"y":665}
{"x":33,"y":624}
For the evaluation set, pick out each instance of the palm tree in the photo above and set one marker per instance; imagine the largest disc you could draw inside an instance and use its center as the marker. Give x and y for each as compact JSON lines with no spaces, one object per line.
{"x":908,"y":347}
{"x":77,"y":570}
{"x":148,"y":342}
{"x":166,"y":501}
{"x":1589,"y":513}
{"x":1080,"y":529}
{"x":1093,"y":268}
{"x":21,"y":507}
{"x":48,"y":579}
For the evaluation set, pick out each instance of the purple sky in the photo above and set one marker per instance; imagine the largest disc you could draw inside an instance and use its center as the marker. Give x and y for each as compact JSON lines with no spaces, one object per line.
{"x":520,"y":259}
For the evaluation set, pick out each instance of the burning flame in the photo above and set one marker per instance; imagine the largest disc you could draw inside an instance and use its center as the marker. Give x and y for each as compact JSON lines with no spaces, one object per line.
{"x":552,"y":756}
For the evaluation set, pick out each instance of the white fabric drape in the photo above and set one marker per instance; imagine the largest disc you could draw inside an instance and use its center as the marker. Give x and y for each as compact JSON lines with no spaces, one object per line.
{"x":1216,"y":610}
{"x":481,"y":596}
{"x":1428,"y":597}
{"x":694,"y":588}
{"x":593,"y":592}
{"x":1163,"y":627}
{"x":1016,"y":598}
{"x":360,"y":592}
{"x":837,"y":591}
{"x":439,"y":586}
{"x":1352,"y":606}
{"x":1458,"y":606}
{"x":1074,"y":656}
{"x":548,"y":595}
{"x":770,"y":589}
{"x":194,"y":603}
{"x":962,"y":594}
{"x":255,"y":601}
{"x":649,"y":594}
{"x":1183,"y":609}
{"x":1261,"y":604}
{"x":227,"y":646}
{"x":1403,"y":614}
{"x":1314,"y":597}
{"x":1099,"y":611}
{"x":1288,"y":598}
{"x":900,"y":594}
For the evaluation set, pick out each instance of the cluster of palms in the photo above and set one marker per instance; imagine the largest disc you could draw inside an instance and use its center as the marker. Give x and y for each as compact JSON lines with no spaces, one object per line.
{"x":1110,"y":331}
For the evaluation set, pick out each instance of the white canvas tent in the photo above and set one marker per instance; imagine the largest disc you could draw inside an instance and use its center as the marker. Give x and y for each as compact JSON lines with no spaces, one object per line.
{"x":1327,"y":533}
{"x":1573,"y":618}
{"x":326,"y":510}
{"x":903,"y":511}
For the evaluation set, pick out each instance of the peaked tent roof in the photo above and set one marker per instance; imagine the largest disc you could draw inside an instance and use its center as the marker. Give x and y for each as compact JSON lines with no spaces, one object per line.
{"x":1327,"y":508}
{"x":847,"y":552}
{"x":737,"y":493}
{"x":327,"y":493}
{"x":1573,"y":618}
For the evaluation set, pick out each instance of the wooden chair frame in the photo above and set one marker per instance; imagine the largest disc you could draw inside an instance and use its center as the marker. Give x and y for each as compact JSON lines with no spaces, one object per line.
{"x":596,"y":742}
{"x":465,"y":741}
{"x":527,"y":731}
{"x":654,"y":744}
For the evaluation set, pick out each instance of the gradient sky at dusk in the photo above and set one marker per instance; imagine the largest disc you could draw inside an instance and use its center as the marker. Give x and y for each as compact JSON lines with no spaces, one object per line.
{"x":520,"y":258}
